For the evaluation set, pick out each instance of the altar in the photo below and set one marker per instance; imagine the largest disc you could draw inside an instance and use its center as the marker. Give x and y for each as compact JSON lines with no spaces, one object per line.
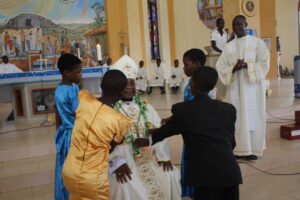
{"x":33,"y":93}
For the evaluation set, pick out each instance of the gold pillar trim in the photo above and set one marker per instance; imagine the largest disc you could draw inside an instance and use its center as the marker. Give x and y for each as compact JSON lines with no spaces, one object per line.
{"x":142,"y":29}
{"x":171,"y":30}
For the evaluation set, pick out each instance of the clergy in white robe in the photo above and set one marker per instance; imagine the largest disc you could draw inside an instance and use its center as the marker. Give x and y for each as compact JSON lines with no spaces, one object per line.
{"x":158,"y":77}
{"x":176,"y":76}
{"x":153,"y":177}
{"x":6,"y":94}
{"x":141,"y":80}
{"x":242,"y":67}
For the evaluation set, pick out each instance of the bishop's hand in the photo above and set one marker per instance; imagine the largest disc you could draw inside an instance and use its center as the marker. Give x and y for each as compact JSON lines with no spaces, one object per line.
{"x":123,"y":173}
{"x":141,"y":142}
{"x":167,"y":165}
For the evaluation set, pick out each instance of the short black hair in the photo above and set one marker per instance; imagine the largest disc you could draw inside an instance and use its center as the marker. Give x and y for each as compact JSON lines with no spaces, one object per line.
{"x":113,"y":82}
{"x":5,"y":59}
{"x":240,"y":16}
{"x":68,"y":61}
{"x":219,"y":19}
{"x":205,"y":78}
{"x":195,"y":55}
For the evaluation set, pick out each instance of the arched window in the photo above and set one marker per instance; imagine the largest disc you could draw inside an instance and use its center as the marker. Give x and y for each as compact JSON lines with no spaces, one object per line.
{"x":153,"y":29}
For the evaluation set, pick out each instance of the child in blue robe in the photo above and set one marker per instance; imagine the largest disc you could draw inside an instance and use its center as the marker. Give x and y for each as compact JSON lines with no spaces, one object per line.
{"x":66,"y":101}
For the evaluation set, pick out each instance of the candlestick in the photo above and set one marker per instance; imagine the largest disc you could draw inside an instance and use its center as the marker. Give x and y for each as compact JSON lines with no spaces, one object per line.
{"x":41,"y":67}
{"x":78,"y":53}
{"x":99,"y":54}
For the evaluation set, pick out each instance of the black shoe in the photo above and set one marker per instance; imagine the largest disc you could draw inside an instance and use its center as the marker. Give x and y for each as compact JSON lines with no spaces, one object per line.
{"x":162,"y":92}
{"x":251,"y":157}
{"x":239,"y":157}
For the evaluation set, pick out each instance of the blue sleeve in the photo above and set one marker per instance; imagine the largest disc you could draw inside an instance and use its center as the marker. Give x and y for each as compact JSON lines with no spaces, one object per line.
{"x":74,"y":98}
{"x":187,"y":93}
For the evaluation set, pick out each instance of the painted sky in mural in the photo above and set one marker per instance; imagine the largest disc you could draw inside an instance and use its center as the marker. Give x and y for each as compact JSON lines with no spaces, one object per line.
{"x":59,"y":11}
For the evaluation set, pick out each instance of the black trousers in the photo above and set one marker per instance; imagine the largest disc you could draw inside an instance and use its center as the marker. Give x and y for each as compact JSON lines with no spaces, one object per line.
{"x":228,"y":193}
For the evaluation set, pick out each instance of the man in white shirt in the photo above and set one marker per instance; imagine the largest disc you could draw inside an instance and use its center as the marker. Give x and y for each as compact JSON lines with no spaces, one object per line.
{"x":6,"y":90}
{"x":219,"y":37}
{"x":218,"y":41}
{"x":242,"y":67}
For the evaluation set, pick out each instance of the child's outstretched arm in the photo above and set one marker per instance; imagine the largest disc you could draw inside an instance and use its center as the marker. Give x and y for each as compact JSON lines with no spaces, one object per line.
{"x":172,"y":127}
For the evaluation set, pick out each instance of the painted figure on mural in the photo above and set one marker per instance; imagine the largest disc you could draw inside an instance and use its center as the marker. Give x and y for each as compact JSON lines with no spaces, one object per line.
{"x":67,"y":46}
{"x":49,"y":46}
{"x":7,"y":42}
{"x":56,"y":47}
{"x":23,"y":39}
{"x":38,"y":36}
{"x":2,"y":45}
{"x":28,"y":39}
{"x":16,"y":46}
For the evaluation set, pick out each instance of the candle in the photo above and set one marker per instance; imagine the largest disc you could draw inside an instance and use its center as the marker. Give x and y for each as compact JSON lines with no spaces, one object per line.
{"x":78,"y":53}
{"x":41,"y":67}
{"x":99,"y":54}
{"x":125,"y":50}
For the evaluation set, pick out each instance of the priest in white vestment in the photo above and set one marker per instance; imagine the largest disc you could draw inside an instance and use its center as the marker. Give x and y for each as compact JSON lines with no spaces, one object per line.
{"x":158,"y":78}
{"x":242,"y":67}
{"x":6,"y":94}
{"x":141,"y":80}
{"x":176,"y":77}
{"x":152,"y":175}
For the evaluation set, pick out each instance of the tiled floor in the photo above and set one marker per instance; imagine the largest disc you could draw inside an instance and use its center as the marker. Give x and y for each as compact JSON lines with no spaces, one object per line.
{"x":27,"y":156}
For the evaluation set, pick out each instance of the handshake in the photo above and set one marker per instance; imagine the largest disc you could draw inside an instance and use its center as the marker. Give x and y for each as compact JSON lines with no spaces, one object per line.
{"x":163,"y":121}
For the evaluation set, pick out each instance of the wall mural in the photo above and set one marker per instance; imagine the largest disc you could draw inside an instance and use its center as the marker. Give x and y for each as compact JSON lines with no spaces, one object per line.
{"x":52,"y":27}
{"x":209,"y":11}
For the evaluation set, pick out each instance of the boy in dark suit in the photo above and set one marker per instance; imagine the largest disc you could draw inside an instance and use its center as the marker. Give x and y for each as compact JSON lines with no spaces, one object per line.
{"x":207,"y":127}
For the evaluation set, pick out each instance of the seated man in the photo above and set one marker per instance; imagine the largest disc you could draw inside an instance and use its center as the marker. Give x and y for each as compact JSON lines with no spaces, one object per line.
{"x":6,"y":95}
{"x":158,"y":78}
{"x":210,"y":166}
{"x":176,"y":76}
{"x":141,"y":80}
{"x":136,"y":172}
